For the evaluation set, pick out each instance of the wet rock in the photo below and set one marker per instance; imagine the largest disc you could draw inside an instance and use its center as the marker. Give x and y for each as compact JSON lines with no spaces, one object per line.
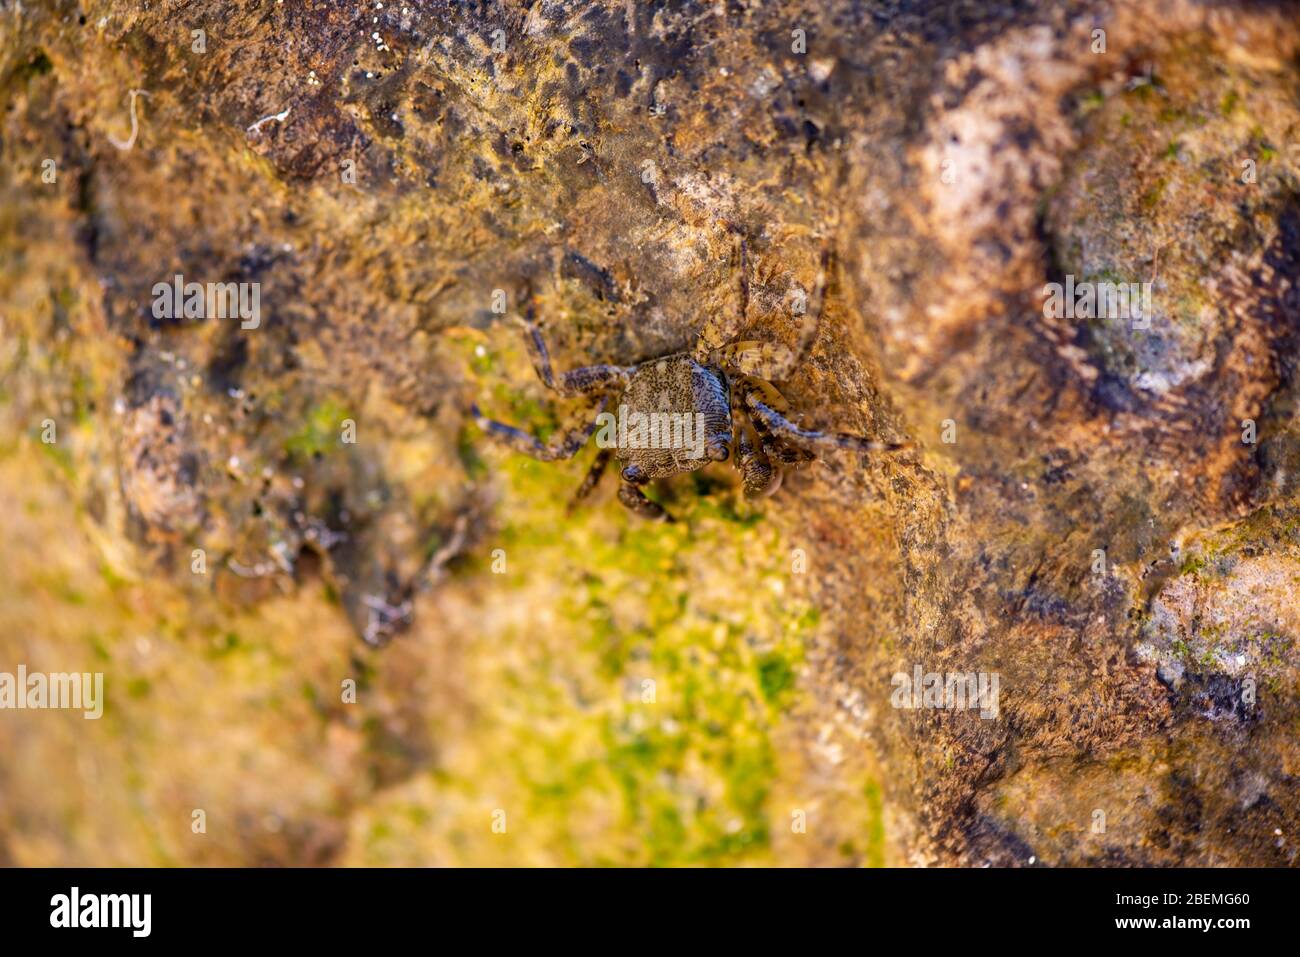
{"x":1098,"y":511}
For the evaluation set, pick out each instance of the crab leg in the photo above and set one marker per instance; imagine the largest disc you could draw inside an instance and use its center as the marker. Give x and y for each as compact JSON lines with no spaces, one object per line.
{"x":587,"y":380}
{"x":566,"y":447}
{"x":594,"y":475}
{"x":777,"y":424}
{"x":630,"y":494}
{"x":772,"y":360}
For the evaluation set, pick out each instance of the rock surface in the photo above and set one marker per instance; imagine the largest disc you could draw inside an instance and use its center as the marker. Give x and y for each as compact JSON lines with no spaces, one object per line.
{"x":234,"y":523}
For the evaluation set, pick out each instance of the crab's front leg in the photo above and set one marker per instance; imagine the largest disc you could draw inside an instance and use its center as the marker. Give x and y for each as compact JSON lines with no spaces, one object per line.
{"x":758,"y":475}
{"x":630,"y":494}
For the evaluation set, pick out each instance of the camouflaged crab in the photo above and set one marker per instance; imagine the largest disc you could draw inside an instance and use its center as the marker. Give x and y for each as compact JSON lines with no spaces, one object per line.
{"x":722,"y":387}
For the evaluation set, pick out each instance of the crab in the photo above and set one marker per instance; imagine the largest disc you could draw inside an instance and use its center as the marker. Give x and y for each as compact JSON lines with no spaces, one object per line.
{"x":724,"y":384}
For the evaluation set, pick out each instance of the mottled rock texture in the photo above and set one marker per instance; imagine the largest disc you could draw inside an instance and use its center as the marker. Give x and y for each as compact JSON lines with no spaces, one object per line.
{"x":1103,"y":515}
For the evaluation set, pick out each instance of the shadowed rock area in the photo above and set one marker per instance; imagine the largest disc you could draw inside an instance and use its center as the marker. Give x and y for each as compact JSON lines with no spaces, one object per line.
{"x":340,"y":621}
